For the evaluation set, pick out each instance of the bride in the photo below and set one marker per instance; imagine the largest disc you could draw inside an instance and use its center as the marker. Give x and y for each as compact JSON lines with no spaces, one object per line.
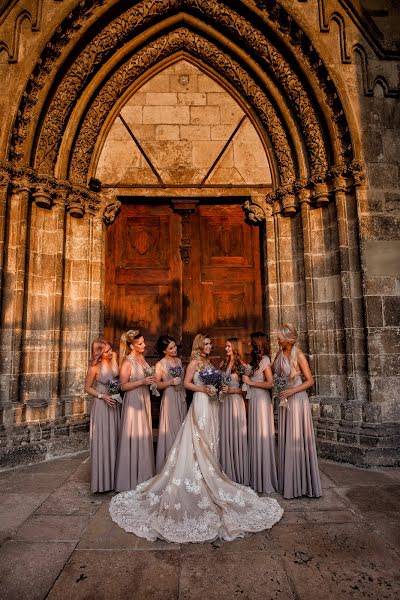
{"x":191,"y":499}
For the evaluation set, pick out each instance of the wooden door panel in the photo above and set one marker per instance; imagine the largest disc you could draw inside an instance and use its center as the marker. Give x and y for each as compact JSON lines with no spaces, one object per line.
{"x":144,"y":274}
{"x":226,"y":272}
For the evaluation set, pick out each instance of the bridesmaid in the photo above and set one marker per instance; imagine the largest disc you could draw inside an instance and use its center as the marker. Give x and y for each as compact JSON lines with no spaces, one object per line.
{"x":263,"y":476}
{"x":234,"y":456}
{"x":104,"y":416}
{"x":135,"y":457}
{"x":298,"y":465}
{"x":173,"y":402}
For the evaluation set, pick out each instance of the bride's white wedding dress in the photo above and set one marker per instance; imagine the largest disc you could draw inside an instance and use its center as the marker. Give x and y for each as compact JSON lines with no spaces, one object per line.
{"x":191,"y":499}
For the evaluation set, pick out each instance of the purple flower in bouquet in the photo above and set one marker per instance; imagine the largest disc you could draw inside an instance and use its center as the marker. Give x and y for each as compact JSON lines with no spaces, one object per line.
{"x":114,"y":389}
{"x":246,"y":369}
{"x":175,"y":371}
{"x":150,"y":372}
{"x":211,"y":377}
{"x":226,"y":379}
{"x":280,"y":382}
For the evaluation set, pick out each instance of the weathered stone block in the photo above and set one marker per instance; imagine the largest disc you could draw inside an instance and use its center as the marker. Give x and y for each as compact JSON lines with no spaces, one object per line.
{"x":391,"y":311}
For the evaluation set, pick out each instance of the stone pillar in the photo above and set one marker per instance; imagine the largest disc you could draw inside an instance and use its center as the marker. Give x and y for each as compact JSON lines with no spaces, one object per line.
{"x":352,"y":303}
{"x":12,"y":309}
{"x":271,"y":266}
{"x":40,"y":349}
{"x":304,"y":197}
{"x":4,"y":189}
{"x":82,"y":305}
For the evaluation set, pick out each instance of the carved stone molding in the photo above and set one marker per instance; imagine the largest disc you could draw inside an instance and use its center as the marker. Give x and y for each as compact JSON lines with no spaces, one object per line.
{"x":47,"y":191}
{"x":112,"y":37}
{"x":46,"y":64}
{"x":12,"y":20}
{"x":179,"y":39}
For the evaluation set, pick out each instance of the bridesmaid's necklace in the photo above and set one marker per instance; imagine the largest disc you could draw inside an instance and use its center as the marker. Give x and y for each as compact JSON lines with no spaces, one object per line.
{"x":138,"y":359}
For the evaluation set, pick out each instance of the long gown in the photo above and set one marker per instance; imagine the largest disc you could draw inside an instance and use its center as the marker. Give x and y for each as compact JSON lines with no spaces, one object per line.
{"x":192,"y":500}
{"x":172,"y":414}
{"x":135,"y":456}
{"x":104,"y":426}
{"x":263,"y":476}
{"x":298,"y":471}
{"x":234,"y":453}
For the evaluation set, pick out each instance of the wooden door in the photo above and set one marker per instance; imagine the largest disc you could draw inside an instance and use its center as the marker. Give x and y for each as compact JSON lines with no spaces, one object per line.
{"x":214,"y":288}
{"x":143,"y":283}
{"x":225,"y":292}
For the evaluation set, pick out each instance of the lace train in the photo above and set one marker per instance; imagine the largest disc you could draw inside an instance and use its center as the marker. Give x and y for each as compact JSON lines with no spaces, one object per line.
{"x":191,"y":499}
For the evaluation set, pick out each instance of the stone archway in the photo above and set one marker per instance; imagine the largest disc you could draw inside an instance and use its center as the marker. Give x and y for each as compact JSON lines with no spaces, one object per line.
{"x":312,"y":262}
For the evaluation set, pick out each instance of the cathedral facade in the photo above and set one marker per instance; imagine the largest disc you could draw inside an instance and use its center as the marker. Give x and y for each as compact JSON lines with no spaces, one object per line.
{"x":200,"y":165}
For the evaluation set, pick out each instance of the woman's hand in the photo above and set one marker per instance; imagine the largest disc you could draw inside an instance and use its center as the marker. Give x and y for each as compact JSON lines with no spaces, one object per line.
{"x":176,"y":381}
{"x":285,"y":393}
{"x":225,"y":389}
{"x":149,"y":380}
{"x":109,"y":400}
{"x":247,"y":380}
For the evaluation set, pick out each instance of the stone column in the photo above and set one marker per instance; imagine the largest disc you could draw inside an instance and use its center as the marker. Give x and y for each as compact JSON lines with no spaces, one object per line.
{"x":82,"y":304}
{"x":41,"y":338}
{"x":12,"y":310}
{"x":272,"y":269}
{"x":353,"y":314}
{"x":4,"y":189}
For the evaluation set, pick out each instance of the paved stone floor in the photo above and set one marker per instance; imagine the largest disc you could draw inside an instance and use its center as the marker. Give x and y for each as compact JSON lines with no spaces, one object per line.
{"x":57,"y":541}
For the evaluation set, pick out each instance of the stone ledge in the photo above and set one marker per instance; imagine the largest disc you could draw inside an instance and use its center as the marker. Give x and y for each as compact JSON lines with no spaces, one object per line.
{"x":59,"y":445}
{"x":360,"y":456}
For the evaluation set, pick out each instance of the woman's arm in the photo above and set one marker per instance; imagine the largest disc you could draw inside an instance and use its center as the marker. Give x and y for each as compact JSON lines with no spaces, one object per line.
{"x":188,"y":381}
{"x":161,"y":385}
{"x":307,"y":376}
{"x":124,"y":375}
{"x":268,"y":382}
{"x":89,"y":389}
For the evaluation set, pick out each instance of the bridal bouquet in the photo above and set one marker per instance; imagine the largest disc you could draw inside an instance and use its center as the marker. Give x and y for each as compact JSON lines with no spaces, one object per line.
{"x":212,"y":377}
{"x":280,"y":382}
{"x":150,"y":372}
{"x":246,"y":369}
{"x":114,"y":389}
{"x":226,"y":379}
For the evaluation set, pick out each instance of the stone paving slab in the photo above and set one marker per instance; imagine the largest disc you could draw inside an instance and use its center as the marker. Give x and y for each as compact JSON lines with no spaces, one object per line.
{"x":53,"y":528}
{"x":27,"y":571}
{"x":16,"y":508}
{"x":72,"y":498}
{"x":57,"y":541}
{"x":118,"y":575}
{"x":232,"y":576}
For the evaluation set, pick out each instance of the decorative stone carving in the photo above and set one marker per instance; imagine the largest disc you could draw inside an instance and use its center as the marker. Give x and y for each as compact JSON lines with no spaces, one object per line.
{"x":42,"y":196}
{"x":180,"y":39}
{"x":254,"y":209}
{"x":112,"y":205}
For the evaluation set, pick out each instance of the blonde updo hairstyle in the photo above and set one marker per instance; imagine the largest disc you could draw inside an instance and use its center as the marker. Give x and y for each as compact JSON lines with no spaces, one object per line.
{"x":127,"y":339}
{"x":288,"y":333}
{"x":198,"y":348}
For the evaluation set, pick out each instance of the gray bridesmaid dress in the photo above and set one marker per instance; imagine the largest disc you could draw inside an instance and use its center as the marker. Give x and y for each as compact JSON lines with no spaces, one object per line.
{"x":263,"y":476}
{"x":234,"y":455}
{"x":135,"y":456}
{"x":104,"y":427}
{"x":172,"y":414}
{"x":298,"y":472}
